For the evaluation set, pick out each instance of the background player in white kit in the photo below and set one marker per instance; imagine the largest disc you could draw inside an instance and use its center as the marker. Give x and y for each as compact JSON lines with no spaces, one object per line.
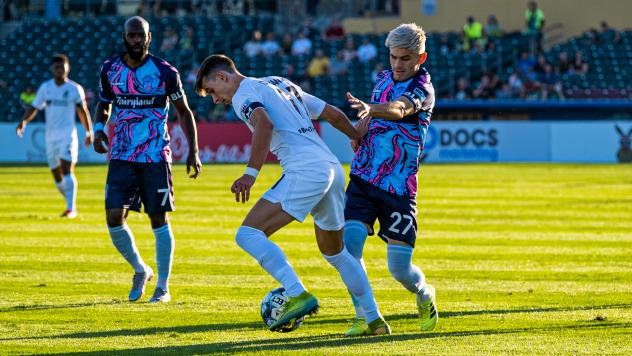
{"x":60,"y":97}
{"x":279,"y":115}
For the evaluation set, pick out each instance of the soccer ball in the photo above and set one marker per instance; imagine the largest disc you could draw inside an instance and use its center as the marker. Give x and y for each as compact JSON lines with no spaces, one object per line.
{"x":272,"y":305}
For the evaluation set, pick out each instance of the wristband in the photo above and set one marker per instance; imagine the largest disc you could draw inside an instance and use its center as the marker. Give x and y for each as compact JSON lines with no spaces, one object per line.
{"x":252,"y":172}
{"x":98,"y":126}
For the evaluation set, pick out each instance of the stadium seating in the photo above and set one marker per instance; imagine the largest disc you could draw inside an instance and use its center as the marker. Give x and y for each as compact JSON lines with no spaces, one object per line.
{"x":88,"y":41}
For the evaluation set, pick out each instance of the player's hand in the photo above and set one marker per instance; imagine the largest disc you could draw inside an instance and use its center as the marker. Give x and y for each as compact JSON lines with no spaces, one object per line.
{"x":100,"y":143}
{"x":19,"y":130}
{"x":241,"y":187}
{"x":364,"y":110}
{"x":89,"y":138}
{"x":193,"y":162}
{"x":354,"y":145}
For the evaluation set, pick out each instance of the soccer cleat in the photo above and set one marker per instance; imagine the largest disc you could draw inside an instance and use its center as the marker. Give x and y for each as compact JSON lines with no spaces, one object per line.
{"x":70,"y":214}
{"x":358,"y":328}
{"x":428,"y":314}
{"x":138,"y":284}
{"x":378,"y":327}
{"x":160,"y":296}
{"x":294,"y":308}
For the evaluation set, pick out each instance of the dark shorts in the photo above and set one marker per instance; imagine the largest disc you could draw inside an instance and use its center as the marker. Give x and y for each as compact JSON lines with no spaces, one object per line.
{"x":397,"y":214}
{"x":131,"y":183}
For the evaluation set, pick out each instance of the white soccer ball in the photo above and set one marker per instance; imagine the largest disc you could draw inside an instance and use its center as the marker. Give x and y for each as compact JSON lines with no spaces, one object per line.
{"x":272,"y":305}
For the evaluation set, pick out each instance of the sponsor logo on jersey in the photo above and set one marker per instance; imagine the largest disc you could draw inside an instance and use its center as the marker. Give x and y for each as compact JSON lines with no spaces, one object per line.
{"x":140,"y":102}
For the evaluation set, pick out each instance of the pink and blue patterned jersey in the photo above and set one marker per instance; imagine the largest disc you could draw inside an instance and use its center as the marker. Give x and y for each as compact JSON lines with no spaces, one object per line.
{"x":140,"y":97}
{"x":388,"y":156}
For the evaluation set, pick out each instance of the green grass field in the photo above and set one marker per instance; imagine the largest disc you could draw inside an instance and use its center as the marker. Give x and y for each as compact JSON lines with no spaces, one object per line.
{"x":525,"y":259}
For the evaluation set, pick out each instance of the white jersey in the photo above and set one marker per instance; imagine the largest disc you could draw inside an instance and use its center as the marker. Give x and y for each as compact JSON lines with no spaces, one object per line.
{"x":60,"y":104}
{"x":295,"y":141}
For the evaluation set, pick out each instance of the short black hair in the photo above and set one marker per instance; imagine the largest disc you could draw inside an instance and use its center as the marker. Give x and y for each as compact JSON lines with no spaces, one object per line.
{"x":212,"y":64}
{"x":60,"y":57}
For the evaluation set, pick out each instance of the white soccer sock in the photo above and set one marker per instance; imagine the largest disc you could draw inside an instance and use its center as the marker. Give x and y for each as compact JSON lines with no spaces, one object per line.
{"x":401,"y":268}
{"x":70,"y":191}
{"x":164,"y":254}
{"x":123,"y":240}
{"x":356,"y":281}
{"x":270,"y":257}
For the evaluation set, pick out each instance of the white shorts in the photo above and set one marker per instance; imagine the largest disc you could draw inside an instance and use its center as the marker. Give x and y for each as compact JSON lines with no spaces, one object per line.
{"x":66,"y":149}
{"x":317,"y":190}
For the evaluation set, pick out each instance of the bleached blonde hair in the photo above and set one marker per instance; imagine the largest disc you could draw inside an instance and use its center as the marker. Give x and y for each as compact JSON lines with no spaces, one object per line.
{"x":408,"y":36}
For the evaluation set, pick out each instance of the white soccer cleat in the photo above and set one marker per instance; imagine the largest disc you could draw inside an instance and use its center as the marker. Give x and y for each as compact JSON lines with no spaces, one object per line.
{"x":69,"y":214}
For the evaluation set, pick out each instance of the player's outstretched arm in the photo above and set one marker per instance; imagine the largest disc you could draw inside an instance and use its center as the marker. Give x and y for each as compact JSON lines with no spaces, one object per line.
{"x":261,"y":138}
{"x":393,"y":110}
{"x":340,"y":121}
{"x":29,"y":114}
{"x":101,"y":116}
{"x":86,"y":121}
{"x":187,"y":122}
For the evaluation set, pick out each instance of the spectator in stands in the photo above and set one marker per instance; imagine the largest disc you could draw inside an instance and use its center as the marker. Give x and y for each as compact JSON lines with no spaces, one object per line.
{"x":534,"y":18}
{"x":526,"y":62}
{"x":319,"y":65}
{"x":335,"y":31}
{"x":445,"y":46}
{"x":252,"y":48}
{"x":472,"y":32}
{"x":302,"y":46}
{"x":286,"y":43}
{"x":550,"y":83}
{"x":187,"y":42}
{"x":504,"y":92}
{"x":492,"y":29}
{"x":270,"y":47}
{"x":608,"y":34}
{"x":463,"y":91}
{"x":563,"y":64}
{"x":483,"y":89}
{"x":3,"y":84}
{"x":579,"y":66}
{"x":379,"y":68}
{"x":187,"y":47}
{"x":539,"y":66}
{"x":169,"y":42}
{"x":534,"y":22}
{"x":490,"y":47}
{"x":338,"y":65}
{"x":27,"y":97}
{"x":309,"y":30}
{"x":367,"y":51}
{"x":516,"y":85}
{"x":350,"y":52}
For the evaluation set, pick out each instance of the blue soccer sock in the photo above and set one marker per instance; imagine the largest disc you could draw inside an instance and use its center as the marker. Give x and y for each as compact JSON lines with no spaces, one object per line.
{"x":356,"y":281}
{"x":270,"y":257}
{"x":164,"y":254}
{"x":70,"y":191}
{"x":401,"y":268}
{"x":355,"y":234}
{"x":123,"y":240}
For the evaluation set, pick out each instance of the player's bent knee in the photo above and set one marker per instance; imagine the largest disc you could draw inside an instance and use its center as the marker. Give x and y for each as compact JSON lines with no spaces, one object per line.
{"x":245,"y":234}
{"x":114,"y":217}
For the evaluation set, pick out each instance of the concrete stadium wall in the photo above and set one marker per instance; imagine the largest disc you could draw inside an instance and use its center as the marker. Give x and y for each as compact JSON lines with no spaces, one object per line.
{"x":575,"y":15}
{"x":447,"y":142}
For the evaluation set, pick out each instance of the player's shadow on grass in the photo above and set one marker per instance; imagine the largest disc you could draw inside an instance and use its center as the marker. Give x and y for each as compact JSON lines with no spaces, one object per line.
{"x":307,"y":343}
{"x":35,"y":307}
{"x":452,"y":314}
{"x":186,"y":329}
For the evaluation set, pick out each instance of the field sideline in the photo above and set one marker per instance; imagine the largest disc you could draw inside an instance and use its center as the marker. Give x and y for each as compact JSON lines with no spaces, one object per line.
{"x":526,"y":258}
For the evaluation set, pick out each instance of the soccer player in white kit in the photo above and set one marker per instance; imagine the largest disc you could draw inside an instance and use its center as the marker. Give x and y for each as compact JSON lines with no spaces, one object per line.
{"x":280,"y":115}
{"x":60,"y":98}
